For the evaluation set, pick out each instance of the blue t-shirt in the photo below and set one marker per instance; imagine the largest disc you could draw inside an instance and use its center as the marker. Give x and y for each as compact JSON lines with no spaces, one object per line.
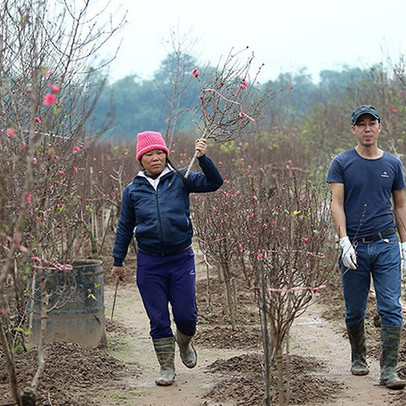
{"x":368,"y":188}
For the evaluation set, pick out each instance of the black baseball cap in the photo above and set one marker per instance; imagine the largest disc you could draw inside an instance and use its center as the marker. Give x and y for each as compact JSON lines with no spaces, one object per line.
{"x":364,"y":109}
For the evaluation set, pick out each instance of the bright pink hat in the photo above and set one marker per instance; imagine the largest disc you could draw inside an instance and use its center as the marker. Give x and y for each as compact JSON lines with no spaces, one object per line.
{"x":149,"y":140}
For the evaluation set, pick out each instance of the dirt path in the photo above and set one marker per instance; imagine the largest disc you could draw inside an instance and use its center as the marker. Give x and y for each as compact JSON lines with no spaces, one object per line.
{"x":311,"y":336}
{"x":314,"y":336}
{"x":138,"y":386}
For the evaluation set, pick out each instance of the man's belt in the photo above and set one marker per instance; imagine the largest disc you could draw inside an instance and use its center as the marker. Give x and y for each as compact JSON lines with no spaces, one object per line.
{"x":375,"y":237}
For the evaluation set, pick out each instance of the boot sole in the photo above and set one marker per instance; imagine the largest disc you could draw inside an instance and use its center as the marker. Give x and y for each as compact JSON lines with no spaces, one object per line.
{"x":395,"y":386}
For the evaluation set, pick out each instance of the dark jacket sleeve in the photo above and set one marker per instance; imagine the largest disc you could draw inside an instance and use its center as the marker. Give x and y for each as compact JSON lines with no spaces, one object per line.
{"x":125,"y":229}
{"x":207,"y":181}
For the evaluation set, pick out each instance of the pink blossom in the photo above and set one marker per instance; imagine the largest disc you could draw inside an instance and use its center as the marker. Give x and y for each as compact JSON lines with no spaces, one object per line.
{"x":75,"y":149}
{"x":394,"y":110}
{"x":260,"y":256}
{"x":11,"y":133}
{"x":63,"y":228}
{"x":239,"y":245}
{"x":38,"y":120}
{"x":186,"y":109}
{"x":255,"y":197}
{"x":49,"y":99}
{"x":195,"y":73}
{"x":62,"y":173}
{"x":214,"y":209}
{"x":34,"y":160}
{"x":55,"y":88}
{"x":243,"y":84}
{"x":305,"y":239}
{"x":25,"y":145}
{"x":36,"y":259}
{"x":3,"y":312}
{"x":28,"y":198}
{"x":75,"y":169}
{"x":48,"y":73}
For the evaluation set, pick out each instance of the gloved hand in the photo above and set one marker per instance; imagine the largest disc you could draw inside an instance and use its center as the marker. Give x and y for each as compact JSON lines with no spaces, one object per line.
{"x":403,"y":256}
{"x":348,"y":255}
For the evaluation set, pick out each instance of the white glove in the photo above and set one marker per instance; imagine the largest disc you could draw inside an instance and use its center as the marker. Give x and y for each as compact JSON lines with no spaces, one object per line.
{"x":348,"y":255}
{"x":403,"y":256}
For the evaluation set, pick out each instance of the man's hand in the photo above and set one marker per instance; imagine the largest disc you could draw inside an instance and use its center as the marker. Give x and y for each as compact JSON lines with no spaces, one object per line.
{"x":348,"y":255}
{"x":201,"y":146}
{"x":403,"y":256}
{"x":117,"y":271}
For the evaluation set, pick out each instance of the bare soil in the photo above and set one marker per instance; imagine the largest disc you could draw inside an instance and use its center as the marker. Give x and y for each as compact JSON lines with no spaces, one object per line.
{"x":230,"y":363}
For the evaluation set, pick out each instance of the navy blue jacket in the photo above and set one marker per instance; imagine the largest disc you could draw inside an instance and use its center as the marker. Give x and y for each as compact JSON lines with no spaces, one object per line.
{"x":160,"y":219}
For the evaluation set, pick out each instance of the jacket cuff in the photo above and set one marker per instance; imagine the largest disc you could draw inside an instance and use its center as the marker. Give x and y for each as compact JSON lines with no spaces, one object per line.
{"x":118,"y":262}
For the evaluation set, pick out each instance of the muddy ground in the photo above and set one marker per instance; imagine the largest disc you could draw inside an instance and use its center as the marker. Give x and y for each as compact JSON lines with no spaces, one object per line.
{"x":230,"y":363}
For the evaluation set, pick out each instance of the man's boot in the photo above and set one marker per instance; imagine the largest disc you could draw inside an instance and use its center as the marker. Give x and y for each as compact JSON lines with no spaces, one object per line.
{"x":187,"y":352}
{"x":359,"y":364}
{"x":165,"y":352}
{"x":390,"y":340}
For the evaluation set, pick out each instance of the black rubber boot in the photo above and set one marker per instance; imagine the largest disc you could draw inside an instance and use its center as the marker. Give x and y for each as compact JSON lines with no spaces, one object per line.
{"x":165,"y":352}
{"x":359,"y":364}
{"x":390,"y":340}
{"x":188,"y":354}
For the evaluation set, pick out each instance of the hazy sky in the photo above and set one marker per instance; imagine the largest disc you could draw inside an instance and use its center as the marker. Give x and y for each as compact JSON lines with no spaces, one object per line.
{"x":286,"y":35}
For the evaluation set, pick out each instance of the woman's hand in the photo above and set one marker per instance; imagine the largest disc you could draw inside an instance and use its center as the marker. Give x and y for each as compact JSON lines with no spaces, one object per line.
{"x":117,"y":271}
{"x":201,"y":146}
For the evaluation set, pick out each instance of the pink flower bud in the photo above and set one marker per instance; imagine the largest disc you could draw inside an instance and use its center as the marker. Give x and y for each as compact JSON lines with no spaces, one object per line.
{"x":11,"y":133}
{"x":55,"y":88}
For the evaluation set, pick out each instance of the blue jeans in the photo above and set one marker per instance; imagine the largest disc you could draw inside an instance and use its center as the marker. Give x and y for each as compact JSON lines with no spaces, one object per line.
{"x":169,"y":279}
{"x":381,"y":260}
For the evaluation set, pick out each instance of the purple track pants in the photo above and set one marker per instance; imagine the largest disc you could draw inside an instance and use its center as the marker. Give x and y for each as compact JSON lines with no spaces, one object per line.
{"x":169,"y":279}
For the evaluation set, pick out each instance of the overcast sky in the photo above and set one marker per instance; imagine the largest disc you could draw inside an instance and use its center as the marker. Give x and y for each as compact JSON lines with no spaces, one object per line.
{"x":286,"y":35}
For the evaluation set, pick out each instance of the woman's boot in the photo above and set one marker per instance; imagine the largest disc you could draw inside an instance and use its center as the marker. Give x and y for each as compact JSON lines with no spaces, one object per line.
{"x":359,"y":364}
{"x":390,"y":340}
{"x":165,"y":352}
{"x":187,"y":352}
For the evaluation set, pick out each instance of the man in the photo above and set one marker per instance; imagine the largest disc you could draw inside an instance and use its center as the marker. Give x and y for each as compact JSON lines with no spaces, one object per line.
{"x":363,"y":181}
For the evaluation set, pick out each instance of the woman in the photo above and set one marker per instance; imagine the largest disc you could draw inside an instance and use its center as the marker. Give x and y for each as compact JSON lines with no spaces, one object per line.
{"x":155,"y":208}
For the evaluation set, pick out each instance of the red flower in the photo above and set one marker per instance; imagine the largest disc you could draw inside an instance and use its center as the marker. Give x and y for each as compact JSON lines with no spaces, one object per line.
{"x":305,"y":239}
{"x":49,"y":99}
{"x":38,"y":120}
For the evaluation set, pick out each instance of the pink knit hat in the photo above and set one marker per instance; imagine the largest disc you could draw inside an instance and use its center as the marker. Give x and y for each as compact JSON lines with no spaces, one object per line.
{"x":149,"y":140}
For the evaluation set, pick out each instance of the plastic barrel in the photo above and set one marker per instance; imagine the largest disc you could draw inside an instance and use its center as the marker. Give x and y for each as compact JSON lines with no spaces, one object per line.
{"x":75,"y":305}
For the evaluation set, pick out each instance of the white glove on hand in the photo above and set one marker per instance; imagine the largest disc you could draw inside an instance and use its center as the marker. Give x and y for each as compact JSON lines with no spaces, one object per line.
{"x":403,"y":256}
{"x":348,"y":255}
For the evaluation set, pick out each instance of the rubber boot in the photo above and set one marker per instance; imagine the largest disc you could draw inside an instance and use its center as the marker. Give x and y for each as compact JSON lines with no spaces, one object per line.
{"x":390,"y":340}
{"x":188,"y":354}
{"x":165,"y":352}
{"x":359,"y":364}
